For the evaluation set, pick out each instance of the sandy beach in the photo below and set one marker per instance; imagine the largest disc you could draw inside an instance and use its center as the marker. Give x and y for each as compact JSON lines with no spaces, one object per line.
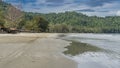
{"x":33,"y":51}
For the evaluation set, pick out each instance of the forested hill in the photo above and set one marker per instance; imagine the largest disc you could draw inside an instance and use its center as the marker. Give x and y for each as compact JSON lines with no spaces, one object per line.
{"x":78,"y":22}
{"x":3,"y":7}
{"x":66,"y":22}
{"x":12,"y":18}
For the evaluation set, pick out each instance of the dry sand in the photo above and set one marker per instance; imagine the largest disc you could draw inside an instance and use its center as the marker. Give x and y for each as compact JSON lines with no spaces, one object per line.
{"x":33,"y":51}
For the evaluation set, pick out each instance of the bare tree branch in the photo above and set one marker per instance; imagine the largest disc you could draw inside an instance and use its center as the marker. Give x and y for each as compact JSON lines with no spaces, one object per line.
{"x":13,"y":15}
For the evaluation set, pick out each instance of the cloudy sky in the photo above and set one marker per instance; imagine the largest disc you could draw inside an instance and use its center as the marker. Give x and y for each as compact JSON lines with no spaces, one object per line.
{"x":89,"y":7}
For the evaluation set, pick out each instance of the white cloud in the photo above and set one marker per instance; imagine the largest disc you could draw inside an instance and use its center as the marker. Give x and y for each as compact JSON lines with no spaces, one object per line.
{"x":69,"y":5}
{"x":108,"y":9}
{"x":118,"y":13}
{"x":62,"y":8}
{"x":101,"y":14}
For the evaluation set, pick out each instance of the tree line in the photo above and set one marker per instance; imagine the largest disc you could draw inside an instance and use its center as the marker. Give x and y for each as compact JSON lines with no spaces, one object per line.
{"x":66,"y":22}
{"x":15,"y":19}
{"x":78,"y":22}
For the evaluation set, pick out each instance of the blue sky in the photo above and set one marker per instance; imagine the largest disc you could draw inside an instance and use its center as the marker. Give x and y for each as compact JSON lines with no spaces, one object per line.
{"x":89,"y":7}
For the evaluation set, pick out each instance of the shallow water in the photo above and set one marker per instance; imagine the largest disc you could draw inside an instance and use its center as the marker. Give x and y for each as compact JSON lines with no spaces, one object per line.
{"x":110,"y":58}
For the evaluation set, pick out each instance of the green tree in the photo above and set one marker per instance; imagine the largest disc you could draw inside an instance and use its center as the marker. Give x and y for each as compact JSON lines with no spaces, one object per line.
{"x":37,"y":24}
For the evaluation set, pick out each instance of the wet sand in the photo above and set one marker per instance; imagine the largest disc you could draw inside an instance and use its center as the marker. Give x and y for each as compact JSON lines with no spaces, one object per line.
{"x":33,"y":51}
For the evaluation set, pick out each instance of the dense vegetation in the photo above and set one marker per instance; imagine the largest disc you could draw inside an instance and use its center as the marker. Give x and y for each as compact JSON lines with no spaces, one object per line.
{"x":11,"y":17}
{"x":2,"y":10}
{"x":77,"y":22}
{"x":34,"y":24}
{"x":62,"y":22}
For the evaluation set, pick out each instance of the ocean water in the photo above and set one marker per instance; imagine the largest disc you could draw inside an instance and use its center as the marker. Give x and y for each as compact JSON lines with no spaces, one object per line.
{"x":110,"y":58}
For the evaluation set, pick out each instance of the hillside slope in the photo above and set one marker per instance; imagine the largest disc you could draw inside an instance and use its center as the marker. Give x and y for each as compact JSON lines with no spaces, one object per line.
{"x":12,"y":17}
{"x":61,"y":22}
{"x":78,"y":22}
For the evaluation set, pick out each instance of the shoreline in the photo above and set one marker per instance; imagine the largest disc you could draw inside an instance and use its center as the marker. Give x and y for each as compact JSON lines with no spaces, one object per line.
{"x":44,"y":52}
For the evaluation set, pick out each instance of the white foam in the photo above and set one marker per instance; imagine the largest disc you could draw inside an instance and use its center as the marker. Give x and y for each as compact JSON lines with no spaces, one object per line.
{"x":96,"y":60}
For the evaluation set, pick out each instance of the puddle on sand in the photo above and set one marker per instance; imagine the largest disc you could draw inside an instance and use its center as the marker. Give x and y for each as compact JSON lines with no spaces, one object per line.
{"x":105,"y":54}
{"x":76,"y":48}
